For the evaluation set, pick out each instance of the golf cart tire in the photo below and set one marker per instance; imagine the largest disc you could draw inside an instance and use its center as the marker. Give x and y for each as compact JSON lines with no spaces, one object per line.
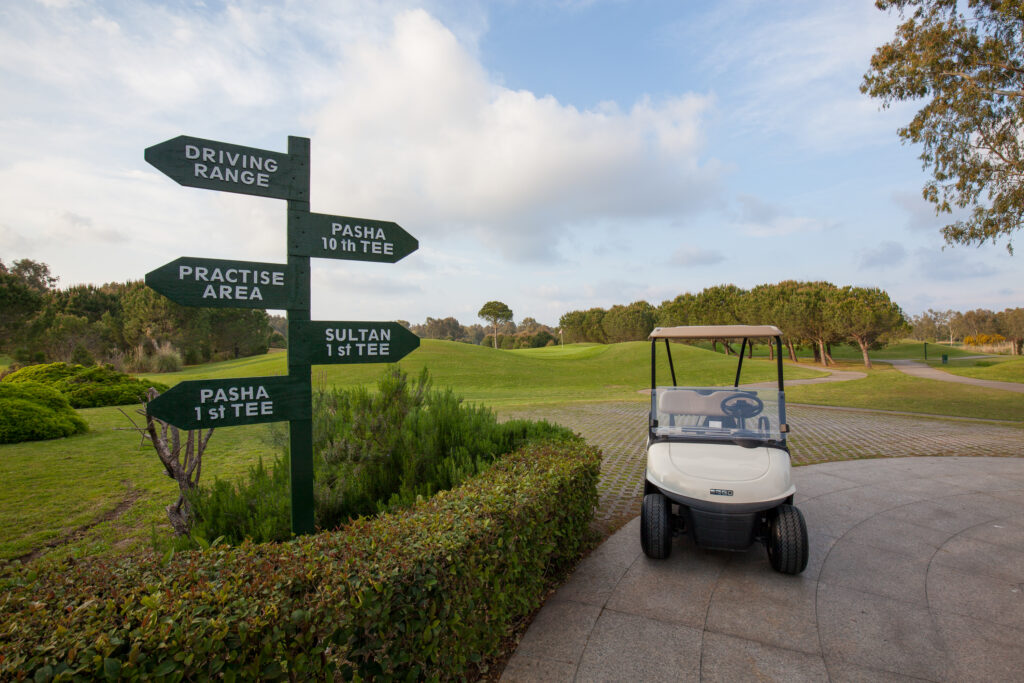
{"x":656,"y":526}
{"x":787,"y":540}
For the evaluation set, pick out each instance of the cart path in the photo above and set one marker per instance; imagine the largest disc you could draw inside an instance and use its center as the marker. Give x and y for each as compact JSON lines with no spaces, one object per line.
{"x":916,"y":572}
{"x":820,"y":434}
{"x":834,"y":376}
{"x":919,"y":369}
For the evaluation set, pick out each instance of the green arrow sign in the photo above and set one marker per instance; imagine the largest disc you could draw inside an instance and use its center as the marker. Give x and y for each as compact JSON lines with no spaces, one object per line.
{"x":322,"y":343}
{"x":201,"y":404}
{"x":220,"y":283}
{"x":213,"y":165}
{"x":344,"y":237}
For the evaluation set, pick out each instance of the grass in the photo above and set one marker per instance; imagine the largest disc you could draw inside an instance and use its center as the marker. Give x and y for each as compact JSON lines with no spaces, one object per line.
{"x":53,"y":488}
{"x":576,"y":372}
{"x":887,"y":389}
{"x":1005,"y":369}
{"x":909,"y":350}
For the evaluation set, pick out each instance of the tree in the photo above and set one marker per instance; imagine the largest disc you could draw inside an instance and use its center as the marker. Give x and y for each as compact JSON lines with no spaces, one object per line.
{"x":967,"y":63}
{"x":1011,"y":326}
{"x":865,"y":315}
{"x":495,"y":312}
{"x":628,"y":323}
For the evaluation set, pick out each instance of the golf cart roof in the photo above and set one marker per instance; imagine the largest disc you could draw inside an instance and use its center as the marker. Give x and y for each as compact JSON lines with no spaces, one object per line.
{"x":715,"y":332}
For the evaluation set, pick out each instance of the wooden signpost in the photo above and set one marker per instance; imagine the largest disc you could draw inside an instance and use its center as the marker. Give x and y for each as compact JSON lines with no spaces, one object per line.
{"x":190,"y":281}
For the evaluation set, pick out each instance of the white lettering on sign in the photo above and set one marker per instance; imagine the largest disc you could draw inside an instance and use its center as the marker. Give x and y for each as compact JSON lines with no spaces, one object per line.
{"x":233,"y":293}
{"x":231,"y":167}
{"x":236,"y":283}
{"x":365,"y":239}
{"x":357,"y":334}
{"x":358,"y":350}
{"x":237,"y":401}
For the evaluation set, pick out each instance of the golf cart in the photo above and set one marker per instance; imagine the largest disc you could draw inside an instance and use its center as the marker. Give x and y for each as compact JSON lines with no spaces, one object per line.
{"x":717,"y":461}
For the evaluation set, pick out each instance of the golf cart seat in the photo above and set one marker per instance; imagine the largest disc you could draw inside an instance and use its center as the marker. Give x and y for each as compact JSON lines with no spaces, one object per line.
{"x":690,"y":402}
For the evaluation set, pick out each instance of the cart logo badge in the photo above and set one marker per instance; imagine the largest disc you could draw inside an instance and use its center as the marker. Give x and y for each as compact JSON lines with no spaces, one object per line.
{"x":721,"y":492}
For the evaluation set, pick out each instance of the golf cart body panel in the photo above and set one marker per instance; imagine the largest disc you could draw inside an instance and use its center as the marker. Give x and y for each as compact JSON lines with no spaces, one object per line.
{"x":718,"y":465}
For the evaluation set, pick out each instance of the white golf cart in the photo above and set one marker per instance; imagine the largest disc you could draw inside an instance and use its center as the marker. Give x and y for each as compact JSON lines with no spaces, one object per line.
{"x":717,"y":461}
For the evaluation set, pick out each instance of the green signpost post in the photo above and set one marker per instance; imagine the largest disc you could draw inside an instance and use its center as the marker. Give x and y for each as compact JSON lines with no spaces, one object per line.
{"x":190,"y":281}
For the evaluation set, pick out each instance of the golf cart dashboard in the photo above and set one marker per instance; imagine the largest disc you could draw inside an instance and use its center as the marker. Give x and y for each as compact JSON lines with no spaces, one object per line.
{"x":748,"y":417}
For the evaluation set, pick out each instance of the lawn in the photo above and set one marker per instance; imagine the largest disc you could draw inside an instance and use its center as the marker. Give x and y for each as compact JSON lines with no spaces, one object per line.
{"x":576,"y":372}
{"x":887,"y":389}
{"x":53,"y":488}
{"x":1005,"y":369}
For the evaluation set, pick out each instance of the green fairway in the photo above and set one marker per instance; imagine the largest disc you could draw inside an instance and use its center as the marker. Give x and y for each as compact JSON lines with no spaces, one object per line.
{"x":888,"y":389}
{"x":1007,"y":369}
{"x":577,"y":372}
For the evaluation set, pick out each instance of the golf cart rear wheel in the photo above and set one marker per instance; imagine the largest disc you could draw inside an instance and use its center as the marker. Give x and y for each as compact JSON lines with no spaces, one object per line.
{"x":656,"y":526}
{"x":787,"y":540}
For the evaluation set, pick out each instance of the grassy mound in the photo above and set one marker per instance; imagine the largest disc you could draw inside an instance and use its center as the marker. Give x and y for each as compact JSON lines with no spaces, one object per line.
{"x":87,"y":387}
{"x":34,"y":412}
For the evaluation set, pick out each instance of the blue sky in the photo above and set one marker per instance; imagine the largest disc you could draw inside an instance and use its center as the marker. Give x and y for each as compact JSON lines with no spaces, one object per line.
{"x":552,"y":155}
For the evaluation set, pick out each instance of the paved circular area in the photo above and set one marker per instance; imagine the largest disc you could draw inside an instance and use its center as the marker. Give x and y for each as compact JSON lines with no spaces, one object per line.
{"x":916,"y":573}
{"x":819,"y":435}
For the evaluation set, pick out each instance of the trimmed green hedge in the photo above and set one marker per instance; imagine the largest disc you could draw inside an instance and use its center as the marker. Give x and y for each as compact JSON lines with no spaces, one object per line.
{"x":87,"y":387}
{"x":426,"y":593}
{"x":33,"y":412}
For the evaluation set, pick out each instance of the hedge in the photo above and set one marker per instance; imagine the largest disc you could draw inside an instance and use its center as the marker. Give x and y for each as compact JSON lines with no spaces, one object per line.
{"x":87,"y":387}
{"x":426,"y":593}
{"x":33,"y":412}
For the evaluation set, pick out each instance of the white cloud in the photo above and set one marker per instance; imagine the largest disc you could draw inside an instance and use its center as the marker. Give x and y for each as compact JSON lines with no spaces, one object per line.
{"x":764,"y":219}
{"x":419,"y":133}
{"x":951,"y":264}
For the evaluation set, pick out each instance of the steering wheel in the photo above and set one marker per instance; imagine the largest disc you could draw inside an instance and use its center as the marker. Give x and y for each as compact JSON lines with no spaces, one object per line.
{"x":742,"y":405}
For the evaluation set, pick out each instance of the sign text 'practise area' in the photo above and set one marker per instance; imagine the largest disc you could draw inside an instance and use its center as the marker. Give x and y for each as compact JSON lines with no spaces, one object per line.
{"x":214,"y":165}
{"x":351,"y":239}
{"x":202,"y":404}
{"x":323,"y":343}
{"x":192,"y":281}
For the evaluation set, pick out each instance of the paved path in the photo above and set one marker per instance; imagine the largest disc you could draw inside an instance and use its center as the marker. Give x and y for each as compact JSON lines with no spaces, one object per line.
{"x":916,"y":573}
{"x":918,"y":369}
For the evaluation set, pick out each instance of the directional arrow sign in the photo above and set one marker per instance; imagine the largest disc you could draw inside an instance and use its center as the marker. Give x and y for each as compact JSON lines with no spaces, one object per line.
{"x":202,"y":404}
{"x":218,"y":283}
{"x":213,"y":165}
{"x":321,"y":343}
{"x":343,"y":237}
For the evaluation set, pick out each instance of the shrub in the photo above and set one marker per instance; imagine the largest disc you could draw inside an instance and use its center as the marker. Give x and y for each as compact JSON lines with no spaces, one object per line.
{"x":425,"y":593}
{"x":84,"y":387}
{"x":166,"y":359}
{"x":372,"y":452}
{"x":33,"y":412}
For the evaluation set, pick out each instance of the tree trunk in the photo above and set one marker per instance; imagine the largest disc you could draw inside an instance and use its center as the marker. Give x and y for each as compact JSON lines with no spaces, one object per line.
{"x":864,"y":352}
{"x":495,"y":335}
{"x":824,"y":355}
{"x":792,"y":351}
{"x":771,"y":351}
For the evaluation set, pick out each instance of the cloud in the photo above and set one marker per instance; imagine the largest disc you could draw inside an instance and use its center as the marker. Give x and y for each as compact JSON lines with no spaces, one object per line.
{"x":420,"y":133}
{"x":764,"y":219}
{"x":695,"y":256}
{"x":884,"y":255}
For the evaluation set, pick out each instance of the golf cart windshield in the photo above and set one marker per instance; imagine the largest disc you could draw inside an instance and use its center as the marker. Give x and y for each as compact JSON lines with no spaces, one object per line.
{"x":745,"y":416}
{"x":718,"y":414}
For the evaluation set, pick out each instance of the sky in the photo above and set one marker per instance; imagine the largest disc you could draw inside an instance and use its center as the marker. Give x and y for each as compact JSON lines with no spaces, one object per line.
{"x":551,"y":155}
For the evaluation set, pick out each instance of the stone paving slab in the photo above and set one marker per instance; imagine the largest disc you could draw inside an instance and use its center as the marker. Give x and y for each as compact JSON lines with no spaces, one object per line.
{"x":923,"y":586}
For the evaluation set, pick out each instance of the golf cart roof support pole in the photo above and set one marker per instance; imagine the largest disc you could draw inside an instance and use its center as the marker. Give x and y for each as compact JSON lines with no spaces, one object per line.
{"x":654,"y":349}
{"x":668,"y":351}
{"x":739,"y":367}
{"x":778,"y":359}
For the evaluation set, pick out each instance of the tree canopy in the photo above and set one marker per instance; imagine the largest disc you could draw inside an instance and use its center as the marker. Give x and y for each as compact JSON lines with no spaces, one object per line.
{"x":966,"y":61}
{"x":495,"y":312}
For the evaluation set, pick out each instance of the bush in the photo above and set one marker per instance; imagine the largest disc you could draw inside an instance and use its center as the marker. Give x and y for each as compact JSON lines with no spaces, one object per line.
{"x":425,"y":593}
{"x":87,"y":387}
{"x":33,"y":412}
{"x":166,"y":359}
{"x":372,"y":452}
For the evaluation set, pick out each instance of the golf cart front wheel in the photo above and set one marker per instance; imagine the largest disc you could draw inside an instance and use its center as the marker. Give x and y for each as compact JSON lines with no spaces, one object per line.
{"x":656,"y":526}
{"x":787,"y":540}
